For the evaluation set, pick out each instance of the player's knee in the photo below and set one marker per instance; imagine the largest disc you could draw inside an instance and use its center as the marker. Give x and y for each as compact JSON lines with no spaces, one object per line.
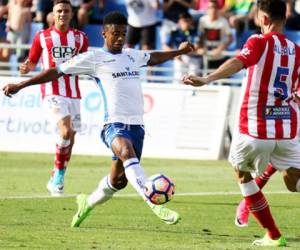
{"x":119,"y":182}
{"x":243,"y":177}
{"x":292,"y":182}
{"x":66,"y":133}
{"x":126,"y":152}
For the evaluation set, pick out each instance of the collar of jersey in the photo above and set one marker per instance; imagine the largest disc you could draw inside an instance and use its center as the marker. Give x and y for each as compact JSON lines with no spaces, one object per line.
{"x":59,"y":31}
{"x":273,"y":33}
{"x":106,"y":50}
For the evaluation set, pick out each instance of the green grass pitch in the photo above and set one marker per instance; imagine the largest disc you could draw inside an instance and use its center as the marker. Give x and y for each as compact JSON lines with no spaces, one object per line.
{"x":206,"y":197}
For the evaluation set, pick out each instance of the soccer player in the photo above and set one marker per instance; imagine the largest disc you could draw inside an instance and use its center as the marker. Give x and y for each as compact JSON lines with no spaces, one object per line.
{"x":61,"y":97}
{"x":269,"y":113}
{"x":117,"y":74}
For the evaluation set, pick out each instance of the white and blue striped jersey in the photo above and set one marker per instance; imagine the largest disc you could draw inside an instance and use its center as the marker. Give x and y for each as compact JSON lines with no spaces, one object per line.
{"x":118,"y":77}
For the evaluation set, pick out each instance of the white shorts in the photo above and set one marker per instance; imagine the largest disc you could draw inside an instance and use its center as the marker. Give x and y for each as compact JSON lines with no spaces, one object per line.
{"x":58,"y":107}
{"x":250,"y":154}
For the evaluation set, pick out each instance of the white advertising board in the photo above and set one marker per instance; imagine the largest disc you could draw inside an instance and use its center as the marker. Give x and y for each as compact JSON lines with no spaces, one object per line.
{"x":181,"y":122}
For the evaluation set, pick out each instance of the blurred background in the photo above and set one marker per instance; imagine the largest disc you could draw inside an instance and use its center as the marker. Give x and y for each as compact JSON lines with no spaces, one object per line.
{"x":197,"y":123}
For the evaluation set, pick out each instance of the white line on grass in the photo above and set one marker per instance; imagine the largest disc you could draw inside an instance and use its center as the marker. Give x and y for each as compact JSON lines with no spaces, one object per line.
{"x":43,"y":196}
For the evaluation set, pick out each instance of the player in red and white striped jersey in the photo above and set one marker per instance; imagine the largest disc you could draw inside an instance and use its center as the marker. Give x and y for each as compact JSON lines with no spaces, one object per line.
{"x":61,"y":97}
{"x":269,"y":114}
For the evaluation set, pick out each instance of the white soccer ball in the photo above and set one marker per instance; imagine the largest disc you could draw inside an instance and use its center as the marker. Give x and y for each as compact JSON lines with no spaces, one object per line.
{"x":159,"y":189}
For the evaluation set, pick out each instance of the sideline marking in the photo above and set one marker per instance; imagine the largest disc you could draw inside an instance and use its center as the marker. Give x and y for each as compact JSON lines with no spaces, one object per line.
{"x":43,"y":196}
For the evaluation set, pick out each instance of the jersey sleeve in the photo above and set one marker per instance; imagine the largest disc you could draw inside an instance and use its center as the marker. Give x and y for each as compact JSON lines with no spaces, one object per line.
{"x":82,"y":64}
{"x":85,"y":45}
{"x":252,"y":51}
{"x":36,"y":49}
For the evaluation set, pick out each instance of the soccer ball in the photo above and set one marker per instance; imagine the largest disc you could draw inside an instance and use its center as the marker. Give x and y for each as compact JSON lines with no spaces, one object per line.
{"x":159,"y":189}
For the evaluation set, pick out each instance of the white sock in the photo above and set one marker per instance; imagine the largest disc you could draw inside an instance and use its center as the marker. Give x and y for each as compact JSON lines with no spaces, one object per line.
{"x":249,"y":188}
{"x":102,"y":193}
{"x":135,"y":175}
{"x":62,"y":142}
{"x":298,"y":185}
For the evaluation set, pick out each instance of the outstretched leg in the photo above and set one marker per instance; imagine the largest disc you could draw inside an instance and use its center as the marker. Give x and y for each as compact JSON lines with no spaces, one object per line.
{"x":108,"y":185}
{"x":124,"y":150}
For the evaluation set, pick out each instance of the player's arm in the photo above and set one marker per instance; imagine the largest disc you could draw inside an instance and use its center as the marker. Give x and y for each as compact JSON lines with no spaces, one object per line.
{"x":45,"y":76}
{"x":227,"y":69}
{"x":248,"y":56}
{"x":162,"y":56}
{"x":34,"y":55}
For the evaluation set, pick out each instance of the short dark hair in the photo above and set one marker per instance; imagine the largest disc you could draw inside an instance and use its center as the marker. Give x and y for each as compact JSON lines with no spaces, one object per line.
{"x":276,"y":9}
{"x":114,"y":17}
{"x":62,"y":1}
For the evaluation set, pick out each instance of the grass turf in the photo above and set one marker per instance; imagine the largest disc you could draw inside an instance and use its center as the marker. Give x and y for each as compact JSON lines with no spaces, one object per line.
{"x":125,"y":222}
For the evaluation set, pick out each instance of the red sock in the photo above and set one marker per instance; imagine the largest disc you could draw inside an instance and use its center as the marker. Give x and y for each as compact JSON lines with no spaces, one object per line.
{"x":259,"y":207}
{"x":265,"y":176}
{"x":61,"y":156}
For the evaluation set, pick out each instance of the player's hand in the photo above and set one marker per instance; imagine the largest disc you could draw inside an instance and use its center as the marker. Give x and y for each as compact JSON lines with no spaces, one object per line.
{"x":296,"y":96}
{"x":10,"y":89}
{"x":24,"y":67}
{"x":216,"y":52}
{"x":194,"y":80}
{"x":186,"y":47}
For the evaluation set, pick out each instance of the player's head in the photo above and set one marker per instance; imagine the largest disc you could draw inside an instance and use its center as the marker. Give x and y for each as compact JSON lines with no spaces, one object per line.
{"x":212,"y":9}
{"x":62,"y":12}
{"x":185,"y":21}
{"x":271,"y":12}
{"x":114,"y":31}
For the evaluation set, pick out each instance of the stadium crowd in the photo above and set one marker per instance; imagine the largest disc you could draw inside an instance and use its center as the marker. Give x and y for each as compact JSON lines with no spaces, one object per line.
{"x":213,"y":26}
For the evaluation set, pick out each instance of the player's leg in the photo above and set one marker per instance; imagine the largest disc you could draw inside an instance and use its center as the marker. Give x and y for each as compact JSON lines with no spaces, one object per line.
{"x":291,"y":179}
{"x":257,"y":203}
{"x":127,"y":145}
{"x":60,"y":110}
{"x":242,"y":212}
{"x":248,"y":155}
{"x":108,"y":185}
{"x":124,"y":150}
{"x":64,"y":144}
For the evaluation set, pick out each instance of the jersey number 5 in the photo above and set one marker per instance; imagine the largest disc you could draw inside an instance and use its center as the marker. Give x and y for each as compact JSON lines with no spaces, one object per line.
{"x":281,"y":89}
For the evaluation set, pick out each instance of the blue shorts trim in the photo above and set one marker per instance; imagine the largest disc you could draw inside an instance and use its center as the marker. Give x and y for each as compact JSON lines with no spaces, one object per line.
{"x":134,"y":133}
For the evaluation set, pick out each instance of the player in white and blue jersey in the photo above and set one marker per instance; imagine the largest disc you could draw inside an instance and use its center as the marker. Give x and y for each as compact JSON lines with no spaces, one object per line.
{"x":116,"y":72}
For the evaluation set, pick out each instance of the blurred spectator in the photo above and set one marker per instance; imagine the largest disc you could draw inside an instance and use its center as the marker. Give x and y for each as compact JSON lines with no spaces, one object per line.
{"x":202,"y":5}
{"x":142,"y":22}
{"x":4,"y":53}
{"x":171,"y":11}
{"x":43,"y":8}
{"x":215,"y":36}
{"x":293,"y":14}
{"x":237,"y":12}
{"x":18,"y":24}
{"x":3,"y":8}
{"x":185,"y":32}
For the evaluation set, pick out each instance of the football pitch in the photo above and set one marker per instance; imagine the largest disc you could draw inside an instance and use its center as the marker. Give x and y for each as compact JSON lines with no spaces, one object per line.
{"x":206,"y":197}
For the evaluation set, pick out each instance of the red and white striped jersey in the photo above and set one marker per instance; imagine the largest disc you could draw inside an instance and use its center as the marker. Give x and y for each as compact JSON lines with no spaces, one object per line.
{"x":55,"y":47}
{"x":273,"y":68}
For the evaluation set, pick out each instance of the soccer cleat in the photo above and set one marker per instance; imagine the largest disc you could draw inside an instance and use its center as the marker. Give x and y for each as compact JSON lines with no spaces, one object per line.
{"x":83,"y":210}
{"x":166,"y":215}
{"x":58,"y":177}
{"x":242,"y":215}
{"x":55,"y":190}
{"x":268,"y":242}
